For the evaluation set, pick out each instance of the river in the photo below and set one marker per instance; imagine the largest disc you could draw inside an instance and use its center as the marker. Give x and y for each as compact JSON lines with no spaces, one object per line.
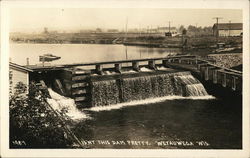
{"x":77,"y":53}
{"x":161,"y":123}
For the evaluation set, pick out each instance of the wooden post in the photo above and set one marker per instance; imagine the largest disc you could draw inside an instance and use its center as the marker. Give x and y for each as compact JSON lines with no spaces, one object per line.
{"x":151,"y":64}
{"x":164,"y":62}
{"x":135,"y":65}
{"x":224,"y":80}
{"x":234,"y":83}
{"x":118,"y":67}
{"x":199,"y":66}
{"x":215,"y":76}
{"x":206,"y":74}
{"x":98,"y":69}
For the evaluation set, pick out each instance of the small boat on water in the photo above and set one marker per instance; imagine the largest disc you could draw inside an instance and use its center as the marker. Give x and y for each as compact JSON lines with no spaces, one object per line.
{"x":48,"y":57}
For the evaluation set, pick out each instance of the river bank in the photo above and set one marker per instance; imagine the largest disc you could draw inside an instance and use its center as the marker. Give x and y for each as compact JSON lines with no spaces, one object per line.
{"x":151,"y":40}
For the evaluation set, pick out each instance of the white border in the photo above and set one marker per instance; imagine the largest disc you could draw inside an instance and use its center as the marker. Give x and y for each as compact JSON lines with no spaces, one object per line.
{"x":188,"y":4}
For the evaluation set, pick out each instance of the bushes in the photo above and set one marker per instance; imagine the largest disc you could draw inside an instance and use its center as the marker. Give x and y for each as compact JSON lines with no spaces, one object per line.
{"x":33,"y":123}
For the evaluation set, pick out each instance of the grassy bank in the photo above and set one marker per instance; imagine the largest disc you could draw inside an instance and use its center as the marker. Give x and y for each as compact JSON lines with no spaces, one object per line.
{"x":192,"y":41}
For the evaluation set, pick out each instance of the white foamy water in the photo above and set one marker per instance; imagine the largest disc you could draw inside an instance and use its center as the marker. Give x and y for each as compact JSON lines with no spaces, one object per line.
{"x":144,"y":69}
{"x":129,"y":71}
{"x":163,"y":68}
{"x":109,"y":72}
{"x":59,"y":102}
{"x":147,"y":101}
{"x":196,"y":90}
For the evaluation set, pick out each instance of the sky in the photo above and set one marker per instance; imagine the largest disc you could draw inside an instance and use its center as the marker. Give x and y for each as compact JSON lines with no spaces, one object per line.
{"x":35,"y":19}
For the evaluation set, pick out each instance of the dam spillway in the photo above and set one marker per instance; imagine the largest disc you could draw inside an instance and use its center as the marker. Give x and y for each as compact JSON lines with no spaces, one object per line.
{"x":138,"y":80}
{"x":143,"y":87}
{"x":90,"y":90}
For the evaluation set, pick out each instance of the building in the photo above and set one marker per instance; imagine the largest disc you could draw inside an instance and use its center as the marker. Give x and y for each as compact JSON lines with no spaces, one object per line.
{"x":166,"y":29}
{"x":228,"y":29}
{"x":167,"y":32}
{"x":17,"y":73}
{"x":112,"y":30}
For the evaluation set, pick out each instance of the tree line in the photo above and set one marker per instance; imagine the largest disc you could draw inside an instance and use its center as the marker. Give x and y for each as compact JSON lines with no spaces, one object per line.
{"x":196,"y":31}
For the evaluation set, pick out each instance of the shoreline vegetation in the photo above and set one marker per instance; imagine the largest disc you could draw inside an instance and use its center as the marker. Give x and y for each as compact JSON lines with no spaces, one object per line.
{"x":148,"y":40}
{"x":35,"y":124}
{"x":201,"y":45}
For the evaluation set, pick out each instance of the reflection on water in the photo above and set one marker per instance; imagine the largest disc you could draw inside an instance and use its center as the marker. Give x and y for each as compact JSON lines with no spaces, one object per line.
{"x":75,"y":53}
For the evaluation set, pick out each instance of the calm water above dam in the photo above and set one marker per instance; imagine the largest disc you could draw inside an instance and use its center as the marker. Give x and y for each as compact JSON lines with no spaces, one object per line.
{"x":77,"y":53}
{"x":161,"y":123}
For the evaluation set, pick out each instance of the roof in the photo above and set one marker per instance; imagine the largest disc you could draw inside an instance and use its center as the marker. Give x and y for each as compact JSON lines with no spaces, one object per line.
{"x":227,"y":26}
{"x":164,"y":28}
{"x":19,"y":67}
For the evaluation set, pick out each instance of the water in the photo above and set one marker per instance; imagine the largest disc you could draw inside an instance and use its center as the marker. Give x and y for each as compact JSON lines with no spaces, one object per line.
{"x":78,"y":53}
{"x":198,"y":118}
{"x":139,"y":88}
{"x":61,"y":103}
{"x":214,"y":121}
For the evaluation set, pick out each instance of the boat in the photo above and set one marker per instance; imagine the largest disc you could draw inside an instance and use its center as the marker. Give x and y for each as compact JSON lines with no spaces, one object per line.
{"x":48,"y":57}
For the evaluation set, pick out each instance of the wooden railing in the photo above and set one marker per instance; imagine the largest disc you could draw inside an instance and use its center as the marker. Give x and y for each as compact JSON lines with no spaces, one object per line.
{"x":206,"y":68}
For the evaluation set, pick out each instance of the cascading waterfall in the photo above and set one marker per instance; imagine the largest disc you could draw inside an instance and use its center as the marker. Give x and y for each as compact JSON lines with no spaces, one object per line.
{"x":193,"y":87}
{"x":140,"y":88}
{"x":60,"y":103}
{"x":196,"y":90}
{"x":105,"y":93}
{"x":144,"y":87}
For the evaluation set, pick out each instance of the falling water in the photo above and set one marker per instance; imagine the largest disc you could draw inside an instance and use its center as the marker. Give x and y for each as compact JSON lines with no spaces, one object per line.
{"x":110,"y":92}
{"x":193,"y":87}
{"x":105,"y":93}
{"x":60,"y":103}
{"x":196,"y":90}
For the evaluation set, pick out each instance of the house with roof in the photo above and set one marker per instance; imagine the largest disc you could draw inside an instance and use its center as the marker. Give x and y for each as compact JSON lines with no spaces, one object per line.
{"x":165,"y":30}
{"x":228,"y":29}
{"x":17,"y":73}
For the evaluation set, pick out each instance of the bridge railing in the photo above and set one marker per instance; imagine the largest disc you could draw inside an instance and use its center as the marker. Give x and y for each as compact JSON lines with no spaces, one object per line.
{"x":207,"y":68}
{"x":209,"y":71}
{"x":99,"y":65}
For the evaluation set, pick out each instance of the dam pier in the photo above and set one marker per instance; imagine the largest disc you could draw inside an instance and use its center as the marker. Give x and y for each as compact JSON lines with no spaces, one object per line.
{"x":112,"y":82}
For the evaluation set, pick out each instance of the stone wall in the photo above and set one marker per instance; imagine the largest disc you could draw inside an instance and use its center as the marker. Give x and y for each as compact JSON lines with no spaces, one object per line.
{"x":227,"y":60}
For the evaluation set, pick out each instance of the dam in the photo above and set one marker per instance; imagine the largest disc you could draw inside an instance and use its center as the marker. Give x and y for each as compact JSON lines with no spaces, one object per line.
{"x":151,"y":99}
{"x":113,"y":82}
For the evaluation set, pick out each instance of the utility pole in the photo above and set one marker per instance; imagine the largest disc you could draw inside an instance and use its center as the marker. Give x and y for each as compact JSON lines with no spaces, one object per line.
{"x":126,"y":28}
{"x":196,"y":29}
{"x":169,"y":26}
{"x":126,"y":51}
{"x":229,"y":28}
{"x":140,"y":30}
{"x":217,"y":24}
{"x":147,"y":30}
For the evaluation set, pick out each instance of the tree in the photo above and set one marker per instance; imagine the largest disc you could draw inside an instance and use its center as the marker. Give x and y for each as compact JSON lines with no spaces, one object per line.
{"x":184,"y":31}
{"x":33,"y":123}
{"x":181,"y":28}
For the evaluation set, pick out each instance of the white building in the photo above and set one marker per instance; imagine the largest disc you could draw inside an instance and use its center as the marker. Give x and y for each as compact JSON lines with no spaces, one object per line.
{"x":17,"y":73}
{"x":228,"y":29}
{"x":173,"y":30}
